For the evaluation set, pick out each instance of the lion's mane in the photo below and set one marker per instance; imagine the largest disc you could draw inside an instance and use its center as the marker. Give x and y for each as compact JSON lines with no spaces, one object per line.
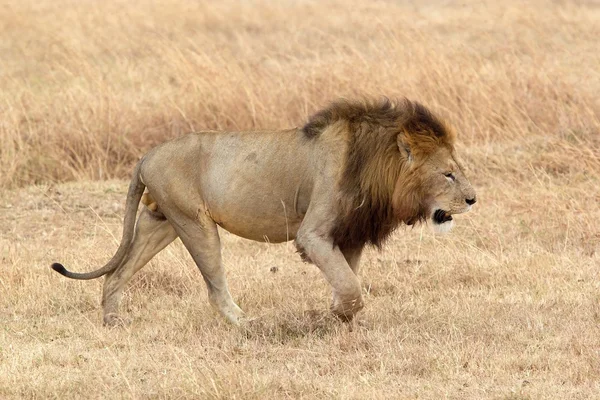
{"x":378,"y":188}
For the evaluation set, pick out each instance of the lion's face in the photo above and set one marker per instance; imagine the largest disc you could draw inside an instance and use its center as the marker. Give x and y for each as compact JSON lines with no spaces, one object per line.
{"x":447,"y":189}
{"x":438,"y":190}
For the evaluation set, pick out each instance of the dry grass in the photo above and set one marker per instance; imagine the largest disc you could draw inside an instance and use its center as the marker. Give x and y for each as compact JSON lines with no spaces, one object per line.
{"x":506,"y":307}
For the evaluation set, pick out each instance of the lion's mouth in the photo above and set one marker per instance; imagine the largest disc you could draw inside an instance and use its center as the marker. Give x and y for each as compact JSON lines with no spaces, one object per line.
{"x":441,"y":216}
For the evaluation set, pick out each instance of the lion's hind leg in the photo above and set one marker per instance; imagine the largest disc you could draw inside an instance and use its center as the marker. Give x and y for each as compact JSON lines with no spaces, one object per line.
{"x":152,"y":234}
{"x":201,"y":238}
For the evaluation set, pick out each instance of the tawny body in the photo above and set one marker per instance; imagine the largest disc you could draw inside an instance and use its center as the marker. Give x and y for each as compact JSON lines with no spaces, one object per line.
{"x":228,"y":178}
{"x":206,"y":179}
{"x":344,"y":180}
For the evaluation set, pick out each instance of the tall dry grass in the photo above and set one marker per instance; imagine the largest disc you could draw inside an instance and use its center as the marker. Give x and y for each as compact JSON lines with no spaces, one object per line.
{"x":506,"y":307}
{"x":89,"y":86}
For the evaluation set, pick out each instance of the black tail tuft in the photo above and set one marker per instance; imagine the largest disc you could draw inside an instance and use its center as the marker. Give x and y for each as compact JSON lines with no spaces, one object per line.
{"x":59,"y":268}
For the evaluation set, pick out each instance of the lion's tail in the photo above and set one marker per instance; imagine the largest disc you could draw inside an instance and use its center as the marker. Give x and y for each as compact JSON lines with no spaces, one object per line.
{"x":134,"y":195}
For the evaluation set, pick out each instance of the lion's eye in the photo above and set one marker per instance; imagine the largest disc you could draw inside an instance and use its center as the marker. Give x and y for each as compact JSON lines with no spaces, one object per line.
{"x":450,"y":176}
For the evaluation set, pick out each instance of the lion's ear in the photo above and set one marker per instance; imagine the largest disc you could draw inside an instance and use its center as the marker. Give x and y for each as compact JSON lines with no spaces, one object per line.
{"x":404,"y":148}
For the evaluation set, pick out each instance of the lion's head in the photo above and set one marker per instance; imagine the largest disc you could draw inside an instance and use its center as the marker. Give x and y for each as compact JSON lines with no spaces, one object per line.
{"x":431,"y":183}
{"x":401,"y":166}
{"x":439,"y":189}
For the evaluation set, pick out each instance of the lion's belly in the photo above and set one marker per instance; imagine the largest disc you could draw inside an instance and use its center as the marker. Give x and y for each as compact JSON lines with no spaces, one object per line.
{"x":257,"y":220}
{"x":259,"y":211}
{"x":271,"y":233}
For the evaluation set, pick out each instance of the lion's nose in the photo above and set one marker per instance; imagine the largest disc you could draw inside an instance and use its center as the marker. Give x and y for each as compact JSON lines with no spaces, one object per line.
{"x":471,"y":201}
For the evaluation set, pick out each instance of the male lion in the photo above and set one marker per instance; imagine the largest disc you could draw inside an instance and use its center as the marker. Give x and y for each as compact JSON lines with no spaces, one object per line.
{"x":348,"y":178}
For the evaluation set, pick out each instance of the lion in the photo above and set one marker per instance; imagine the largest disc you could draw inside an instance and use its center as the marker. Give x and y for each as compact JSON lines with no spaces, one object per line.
{"x":347,"y":179}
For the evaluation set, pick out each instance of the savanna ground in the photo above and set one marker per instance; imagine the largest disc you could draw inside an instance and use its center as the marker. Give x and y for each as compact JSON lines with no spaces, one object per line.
{"x":505,"y":307}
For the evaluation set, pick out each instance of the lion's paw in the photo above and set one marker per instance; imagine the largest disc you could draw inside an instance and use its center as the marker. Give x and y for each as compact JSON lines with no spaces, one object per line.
{"x":116,"y":321}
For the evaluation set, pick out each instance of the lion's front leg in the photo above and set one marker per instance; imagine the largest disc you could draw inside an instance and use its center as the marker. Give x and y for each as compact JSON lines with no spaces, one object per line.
{"x":352,"y":255}
{"x":318,"y":249}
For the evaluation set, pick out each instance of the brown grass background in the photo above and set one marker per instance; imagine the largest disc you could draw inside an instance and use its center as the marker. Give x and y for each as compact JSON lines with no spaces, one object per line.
{"x":505,"y":307}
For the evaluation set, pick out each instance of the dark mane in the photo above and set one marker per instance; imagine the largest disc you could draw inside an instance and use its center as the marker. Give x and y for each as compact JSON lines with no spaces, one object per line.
{"x":374,"y":165}
{"x":397,"y":114}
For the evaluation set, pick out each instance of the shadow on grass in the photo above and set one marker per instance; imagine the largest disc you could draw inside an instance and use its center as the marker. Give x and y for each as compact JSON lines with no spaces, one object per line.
{"x":289,"y":327}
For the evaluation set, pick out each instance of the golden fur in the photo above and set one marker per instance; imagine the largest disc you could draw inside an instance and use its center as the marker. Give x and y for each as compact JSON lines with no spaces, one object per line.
{"x":348,"y":178}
